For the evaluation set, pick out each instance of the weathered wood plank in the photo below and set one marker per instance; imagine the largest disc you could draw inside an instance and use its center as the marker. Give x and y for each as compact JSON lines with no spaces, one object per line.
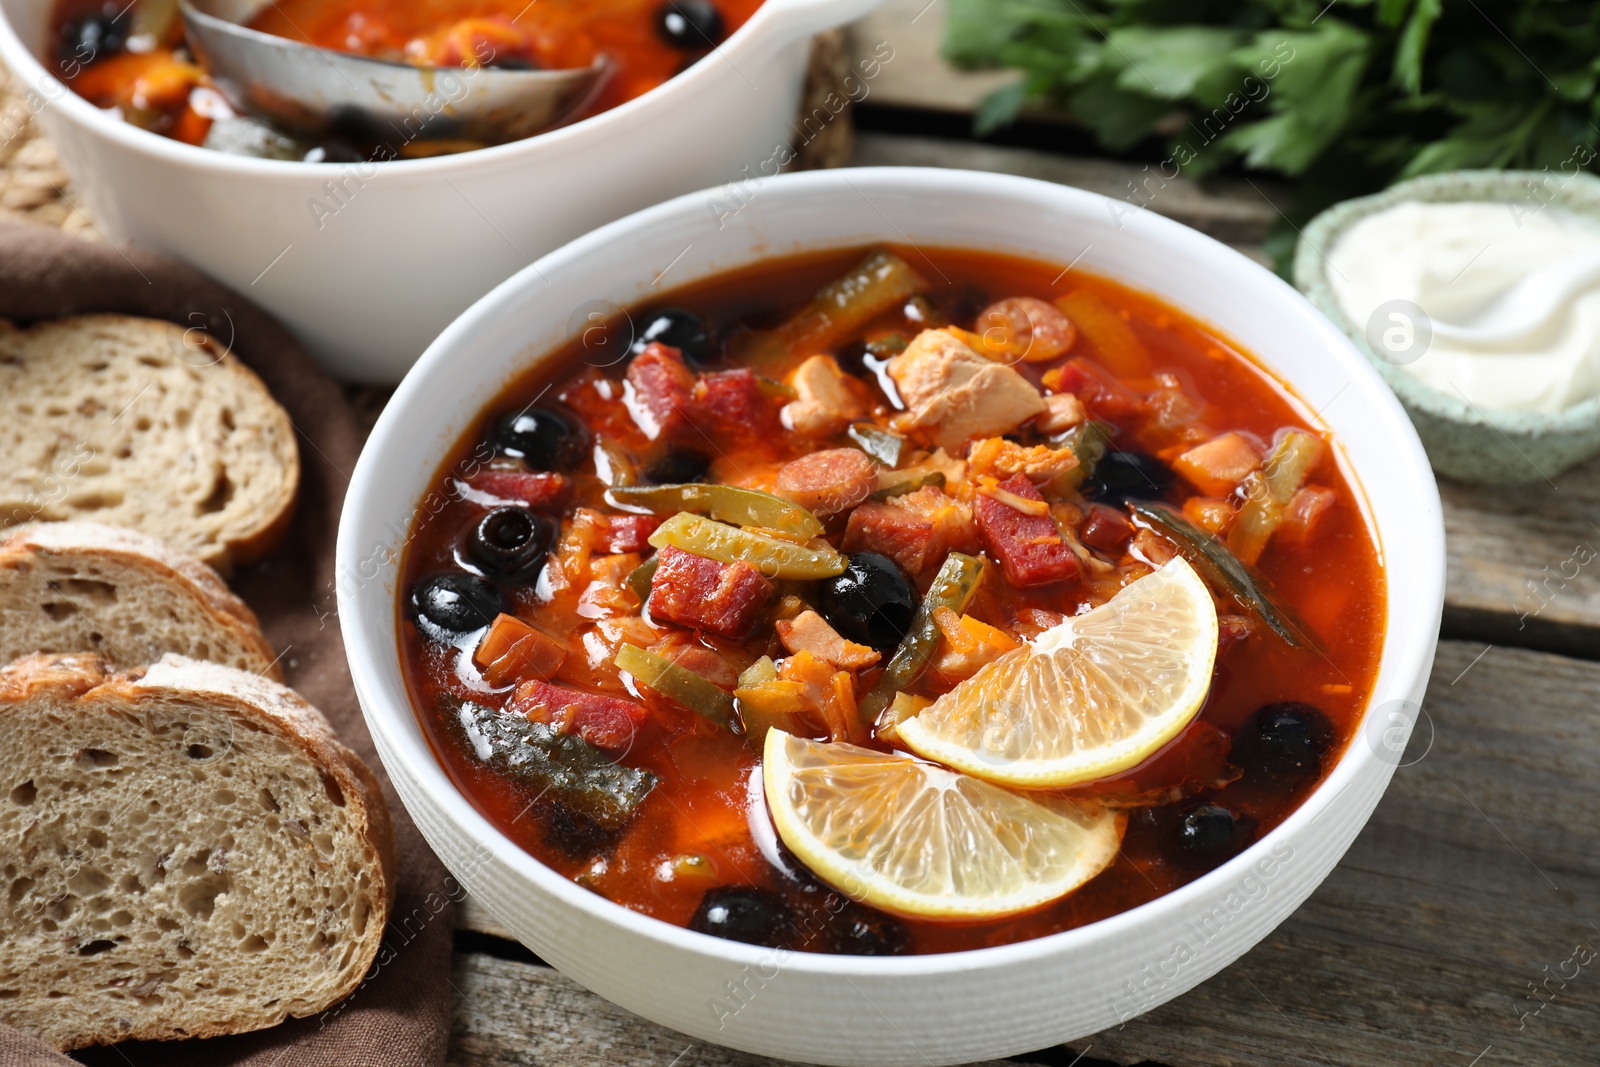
{"x":513,"y":1014}
{"x":916,"y":76}
{"x":1228,"y":210}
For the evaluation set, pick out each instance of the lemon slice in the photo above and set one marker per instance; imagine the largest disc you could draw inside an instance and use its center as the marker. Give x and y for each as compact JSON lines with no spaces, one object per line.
{"x":926,"y":842}
{"x":1092,"y":696}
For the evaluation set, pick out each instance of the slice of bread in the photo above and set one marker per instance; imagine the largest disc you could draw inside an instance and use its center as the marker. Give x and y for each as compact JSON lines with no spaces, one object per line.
{"x":140,"y":423}
{"x":184,"y":854}
{"x":83,"y":587}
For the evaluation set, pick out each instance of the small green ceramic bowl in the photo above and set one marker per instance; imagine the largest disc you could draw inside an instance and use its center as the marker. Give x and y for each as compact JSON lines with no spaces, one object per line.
{"x":1465,"y":442}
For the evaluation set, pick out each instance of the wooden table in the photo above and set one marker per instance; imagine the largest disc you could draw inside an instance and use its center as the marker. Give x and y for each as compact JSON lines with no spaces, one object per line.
{"x":1452,"y":932}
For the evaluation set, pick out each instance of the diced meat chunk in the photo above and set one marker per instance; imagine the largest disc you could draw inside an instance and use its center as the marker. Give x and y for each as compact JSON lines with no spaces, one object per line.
{"x":1101,"y":393}
{"x":1027,"y":328}
{"x":1105,"y":528}
{"x":916,"y":530}
{"x":952,"y":393}
{"x":600,"y":720}
{"x":662,"y":395}
{"x":810,"y":632}
{"x":724,"y":598}
{"x":1029,"y":547}
{"x":825,"y":404}
{"x":626,"y":533}
{"x":535,"y":489}
{"x":828,"y":481}
{"x":1001,"y":458}
{"x":730,"y":405}
{"x":1062,"y":411}
{"x":1220,"y":464}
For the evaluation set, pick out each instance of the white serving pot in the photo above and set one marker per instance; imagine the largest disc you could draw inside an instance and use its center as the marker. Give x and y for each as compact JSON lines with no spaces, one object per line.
{"x":921,"y":1010}
{"x":367,"y":262}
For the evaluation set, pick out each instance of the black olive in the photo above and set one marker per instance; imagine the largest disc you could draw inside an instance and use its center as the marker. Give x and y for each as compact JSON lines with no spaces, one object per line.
{"x":546,"y":439}
{"x":679,"y":466}
{"x":863,"y":931}
{"x":95,"y":36}
{"x":510,"y":542}
{"x":454,"y":603}
{"x":742,"y":913}
{"x":1211,"y":833}
{"x":678,"y":328}
{"x":1285,"y":741}
{"x":1123,"y":476}
{"x":693,"y":25}
{"x":872,"y":602}
{"x":514,"y":62}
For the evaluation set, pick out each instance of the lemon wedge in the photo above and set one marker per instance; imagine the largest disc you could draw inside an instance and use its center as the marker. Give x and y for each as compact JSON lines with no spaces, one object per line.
{"x":925,"y":842}
{"x":1092,"y":696}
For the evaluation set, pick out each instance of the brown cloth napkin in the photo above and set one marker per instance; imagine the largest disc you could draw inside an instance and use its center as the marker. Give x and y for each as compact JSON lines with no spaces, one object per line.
{"x":400,"y":1016}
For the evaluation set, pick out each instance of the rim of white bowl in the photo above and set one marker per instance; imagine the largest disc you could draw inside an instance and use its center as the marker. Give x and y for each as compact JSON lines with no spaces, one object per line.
{"x":30,"y":72}
{"x":1406,"y":655}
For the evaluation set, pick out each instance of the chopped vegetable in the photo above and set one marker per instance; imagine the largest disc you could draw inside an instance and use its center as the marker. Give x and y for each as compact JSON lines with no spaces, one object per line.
{"x":1220,"y":464}
{"x":773,"y":557}
{"x":547,"y":762}
{"x":1116,"y":346}
{"x":762,"y":670}
{"x":679,"y":685}
{"x":1000,"y":458}
{"x":773,"y":387}
{"x":877,"y":284}
{"x":902,"y":486}
{"x":952,"y":588}
{"x":1224,"y":570}
{"x":638,"y":581}
{"x":511,"y":650}
{"x":885,"y":447}
{"x":1267,"y":493}
{"x":966,"y":645}
{"x":1089,"y":441}
{"x":771,"y":704}
{"x":725,"y":503}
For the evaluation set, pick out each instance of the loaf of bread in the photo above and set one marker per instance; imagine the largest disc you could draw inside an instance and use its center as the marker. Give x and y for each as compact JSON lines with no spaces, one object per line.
{"x":141,"y":423}
{"x":183,"y":853}
{"x":84,"y":587}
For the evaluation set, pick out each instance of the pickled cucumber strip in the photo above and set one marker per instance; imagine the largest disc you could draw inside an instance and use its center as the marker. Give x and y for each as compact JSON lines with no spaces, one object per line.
{"x":1267,"y":493}
{"x":772,"y":556}
{"x":843,"y":307}
{"x":548,"y":763}
{"x":639,"y":579}
{"x":725,"y":503}
{"x":1223,"y":570}
{"x":952,"y":588}
{"x":679,"y":685}
{"x":885,"y":447}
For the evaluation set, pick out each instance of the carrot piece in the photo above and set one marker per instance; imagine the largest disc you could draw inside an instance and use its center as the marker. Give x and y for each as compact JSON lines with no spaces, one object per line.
{"x":1116,"y":346}
{"x":1220,"y":464}
{"x":1210,"y":514}
{"x":512,"y":651}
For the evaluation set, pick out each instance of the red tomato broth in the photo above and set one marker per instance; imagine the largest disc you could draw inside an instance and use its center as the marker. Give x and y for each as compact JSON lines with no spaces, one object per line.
{"x":154,"y":88}
{"x":702,"y":803}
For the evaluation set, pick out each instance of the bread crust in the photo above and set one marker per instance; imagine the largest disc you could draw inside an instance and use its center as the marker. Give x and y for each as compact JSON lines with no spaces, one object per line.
{"x":85,"y":680}
{"x":250,"y":536}
{"x":59,"y":540}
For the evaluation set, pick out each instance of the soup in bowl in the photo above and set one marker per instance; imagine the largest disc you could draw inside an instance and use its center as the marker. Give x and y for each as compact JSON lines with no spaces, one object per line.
{"x":925,"y":615}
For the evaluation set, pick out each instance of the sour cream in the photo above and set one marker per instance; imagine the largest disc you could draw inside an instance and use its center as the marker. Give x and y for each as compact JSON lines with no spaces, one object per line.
{"x":1450,"y":260}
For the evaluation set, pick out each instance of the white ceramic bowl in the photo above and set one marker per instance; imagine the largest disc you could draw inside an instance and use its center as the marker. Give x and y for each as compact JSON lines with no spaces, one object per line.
{"x":368,"y":262}
{"x":936,"y":1009}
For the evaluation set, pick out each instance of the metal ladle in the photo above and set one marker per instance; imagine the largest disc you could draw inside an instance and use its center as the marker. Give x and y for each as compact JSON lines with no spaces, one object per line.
{"x":318,"y":91}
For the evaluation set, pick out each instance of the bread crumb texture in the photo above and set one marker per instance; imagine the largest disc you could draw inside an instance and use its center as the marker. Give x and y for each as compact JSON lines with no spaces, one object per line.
{"x":141,"y":423}
{"x":185,"y":854}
